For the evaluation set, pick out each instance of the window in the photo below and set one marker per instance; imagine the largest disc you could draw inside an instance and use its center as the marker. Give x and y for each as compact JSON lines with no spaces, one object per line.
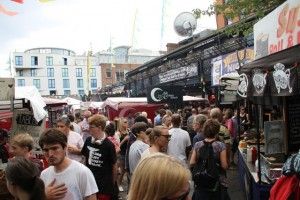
{"x":92,"y":72}
{"x":67,"y":92}
{"x":65,"y":72}
{"x":78,"y":72}
{"x":21,"y":73}
{"x":50,"y":72}
{"x":49,"y":61}
{"x":120,"y":76}
{"x":19,"y":60}
{"x":65,"y":61}
{"x":21,"y":82}
{"x":93,"y":83}
{"x":79,"y":83}
{"x":66,"y":83}
{"x":51,"y":83}
{"x":37,"y":83}
{"x":33,"y":72}
{"x":34,"y":61}
{"x":81,"y":92}
{"x":108,"y":72}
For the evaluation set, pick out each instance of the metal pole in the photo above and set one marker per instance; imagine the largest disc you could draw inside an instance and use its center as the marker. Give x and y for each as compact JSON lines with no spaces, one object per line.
{"x":258,"y":142}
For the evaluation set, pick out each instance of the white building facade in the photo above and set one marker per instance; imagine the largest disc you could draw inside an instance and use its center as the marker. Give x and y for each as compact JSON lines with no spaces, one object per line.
{"x":58,"y":71}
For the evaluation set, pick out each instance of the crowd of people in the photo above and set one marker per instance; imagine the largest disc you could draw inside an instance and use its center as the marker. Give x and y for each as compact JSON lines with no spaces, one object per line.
{"x":88,"y":157}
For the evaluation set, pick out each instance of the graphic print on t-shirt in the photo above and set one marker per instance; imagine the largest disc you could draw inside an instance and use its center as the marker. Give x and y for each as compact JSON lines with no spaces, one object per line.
{"x":95,"y":157}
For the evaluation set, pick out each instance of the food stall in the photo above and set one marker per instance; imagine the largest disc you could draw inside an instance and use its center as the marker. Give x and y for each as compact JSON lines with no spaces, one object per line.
{"x":272,"y":84}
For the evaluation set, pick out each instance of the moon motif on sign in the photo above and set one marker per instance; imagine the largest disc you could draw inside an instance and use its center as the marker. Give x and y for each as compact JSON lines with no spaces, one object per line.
{"x":153,"y":94}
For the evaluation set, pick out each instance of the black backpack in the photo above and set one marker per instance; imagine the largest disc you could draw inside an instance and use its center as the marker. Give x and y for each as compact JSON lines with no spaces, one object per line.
{"x":206,"y":172}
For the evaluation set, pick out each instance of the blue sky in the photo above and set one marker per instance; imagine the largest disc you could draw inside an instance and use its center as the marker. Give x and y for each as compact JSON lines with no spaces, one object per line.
{"x":75,"y":24}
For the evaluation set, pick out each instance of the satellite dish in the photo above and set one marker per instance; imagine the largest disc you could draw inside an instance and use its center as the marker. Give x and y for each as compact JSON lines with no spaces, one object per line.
{"x":185,"y":24}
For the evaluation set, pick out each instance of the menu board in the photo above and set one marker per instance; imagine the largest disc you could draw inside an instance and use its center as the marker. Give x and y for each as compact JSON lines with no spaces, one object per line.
{"x":274,"y":136}
{"x":293,"y":119}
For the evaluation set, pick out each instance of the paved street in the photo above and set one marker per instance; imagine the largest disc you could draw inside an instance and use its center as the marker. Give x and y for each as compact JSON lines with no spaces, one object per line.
{"x":235,"y":191}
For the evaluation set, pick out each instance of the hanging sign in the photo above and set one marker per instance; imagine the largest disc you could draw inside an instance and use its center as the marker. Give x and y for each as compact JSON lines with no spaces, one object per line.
{"x":278,"y":30}
{"x":259,"y":82}
{"x":165,"y":94}
{"x":7,"y":89}
{"x":243,"y":85}
{"x":216,"y":70}
{"x":282,"y":78}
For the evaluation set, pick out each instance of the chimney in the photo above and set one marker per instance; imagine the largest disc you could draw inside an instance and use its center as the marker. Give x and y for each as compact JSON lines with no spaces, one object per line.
{"x":171,"y":47}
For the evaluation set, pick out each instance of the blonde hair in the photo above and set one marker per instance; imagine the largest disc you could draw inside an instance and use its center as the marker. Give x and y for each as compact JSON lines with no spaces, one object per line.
{"x":153,"y":175}
{"x":120,"y":126}
{"x":23,"y":140}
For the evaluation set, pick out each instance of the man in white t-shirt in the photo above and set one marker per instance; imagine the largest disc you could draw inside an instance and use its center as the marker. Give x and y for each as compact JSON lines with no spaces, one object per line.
{"x":64,"y":178}
{"x":180,"y":144}
{"x":75,"y":142}
{"x":139,"y":146}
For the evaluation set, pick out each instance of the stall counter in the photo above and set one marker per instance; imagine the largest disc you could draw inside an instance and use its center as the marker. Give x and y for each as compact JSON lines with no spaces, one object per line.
{"x":250,"y":181}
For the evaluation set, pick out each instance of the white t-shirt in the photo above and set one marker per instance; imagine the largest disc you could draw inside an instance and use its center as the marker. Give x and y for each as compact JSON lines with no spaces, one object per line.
{"x":75,"y":139}
{"x":78,"y":179}
{"x":180,"y":140}
{"x":77,"y":128}
{"x":135,"y":152}
{"x":146,"y":153}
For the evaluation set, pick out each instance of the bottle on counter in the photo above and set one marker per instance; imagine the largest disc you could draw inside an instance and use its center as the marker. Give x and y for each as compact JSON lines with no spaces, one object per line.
{"x":254,"y":154}
{"x":249,"y":154}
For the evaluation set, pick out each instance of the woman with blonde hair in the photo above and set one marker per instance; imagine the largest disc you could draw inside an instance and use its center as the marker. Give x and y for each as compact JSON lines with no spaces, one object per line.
{"x":152,"y":178}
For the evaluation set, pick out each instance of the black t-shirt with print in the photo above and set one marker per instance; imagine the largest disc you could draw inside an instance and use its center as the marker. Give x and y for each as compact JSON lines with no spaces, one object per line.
{"x":100,"y":159}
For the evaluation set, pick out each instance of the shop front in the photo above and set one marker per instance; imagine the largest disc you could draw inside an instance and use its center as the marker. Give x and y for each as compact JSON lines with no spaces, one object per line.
{"x":272,"y":84}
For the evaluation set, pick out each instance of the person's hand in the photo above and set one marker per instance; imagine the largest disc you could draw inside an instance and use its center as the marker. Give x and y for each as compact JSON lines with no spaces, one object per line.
{"x":54,"y":192}
{"x":72,"y":149}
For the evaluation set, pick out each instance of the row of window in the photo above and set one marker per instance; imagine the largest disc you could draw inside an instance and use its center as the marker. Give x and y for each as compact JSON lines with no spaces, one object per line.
{"x":51,"y":83}
{"x":65,"y":72}
{"x":35,"y":61}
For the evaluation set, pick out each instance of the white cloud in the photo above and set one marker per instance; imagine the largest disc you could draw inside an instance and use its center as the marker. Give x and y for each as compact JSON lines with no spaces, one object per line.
{"x":74,"y":24}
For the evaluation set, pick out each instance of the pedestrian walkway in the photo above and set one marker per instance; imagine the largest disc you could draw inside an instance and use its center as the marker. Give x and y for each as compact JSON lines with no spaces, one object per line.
{"x":235,"y":190}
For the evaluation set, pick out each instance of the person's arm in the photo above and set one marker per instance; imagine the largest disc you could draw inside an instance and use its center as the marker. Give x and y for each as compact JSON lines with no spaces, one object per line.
{"x":91,"y":197}
{"x":223,"y":159}
{"x":193,"y":159}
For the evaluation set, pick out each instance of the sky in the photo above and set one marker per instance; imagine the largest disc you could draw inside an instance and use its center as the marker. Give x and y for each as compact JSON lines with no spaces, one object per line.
{"x":83,"y":24}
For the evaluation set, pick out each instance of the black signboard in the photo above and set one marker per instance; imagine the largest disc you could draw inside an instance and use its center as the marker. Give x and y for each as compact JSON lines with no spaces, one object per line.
{"x":165,"y":94}
{"x":293,"y":115}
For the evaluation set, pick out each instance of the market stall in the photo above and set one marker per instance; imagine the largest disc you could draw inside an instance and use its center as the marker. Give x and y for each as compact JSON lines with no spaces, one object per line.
{"x":272,"y":84}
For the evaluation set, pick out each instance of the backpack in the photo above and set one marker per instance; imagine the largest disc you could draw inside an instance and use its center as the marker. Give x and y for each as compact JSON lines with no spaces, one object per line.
{"x":206,"y":172}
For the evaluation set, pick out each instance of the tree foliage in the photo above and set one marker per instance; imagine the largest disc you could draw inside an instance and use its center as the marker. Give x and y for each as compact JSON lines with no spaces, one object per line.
{"x":240,"y":9}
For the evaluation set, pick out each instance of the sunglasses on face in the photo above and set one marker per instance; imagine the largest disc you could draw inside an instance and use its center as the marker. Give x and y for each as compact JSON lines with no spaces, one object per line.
{"x":167,"y":136}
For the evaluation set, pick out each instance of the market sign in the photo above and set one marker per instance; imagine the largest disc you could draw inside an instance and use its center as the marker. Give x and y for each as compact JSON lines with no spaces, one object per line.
{"x":228,"y":64}
{"x":165,"y":94}
{"x":278,"y":30}
{"x":179,"y":73}
{"x":24,"y":122}
{"x":7,"y":89}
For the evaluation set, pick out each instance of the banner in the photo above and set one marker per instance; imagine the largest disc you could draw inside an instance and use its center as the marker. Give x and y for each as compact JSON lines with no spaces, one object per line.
{"x":165,"y":94}
{"x":228,"y":64}
{"x":179,"y":73}
{"x":277,"y":31}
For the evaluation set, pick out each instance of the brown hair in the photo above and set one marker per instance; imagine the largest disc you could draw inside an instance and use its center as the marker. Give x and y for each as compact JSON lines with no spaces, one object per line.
{"x":211,"y":128}
{"x":53,"y":136}
{"x":98,"y":120}
{"x":176,"y":120}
